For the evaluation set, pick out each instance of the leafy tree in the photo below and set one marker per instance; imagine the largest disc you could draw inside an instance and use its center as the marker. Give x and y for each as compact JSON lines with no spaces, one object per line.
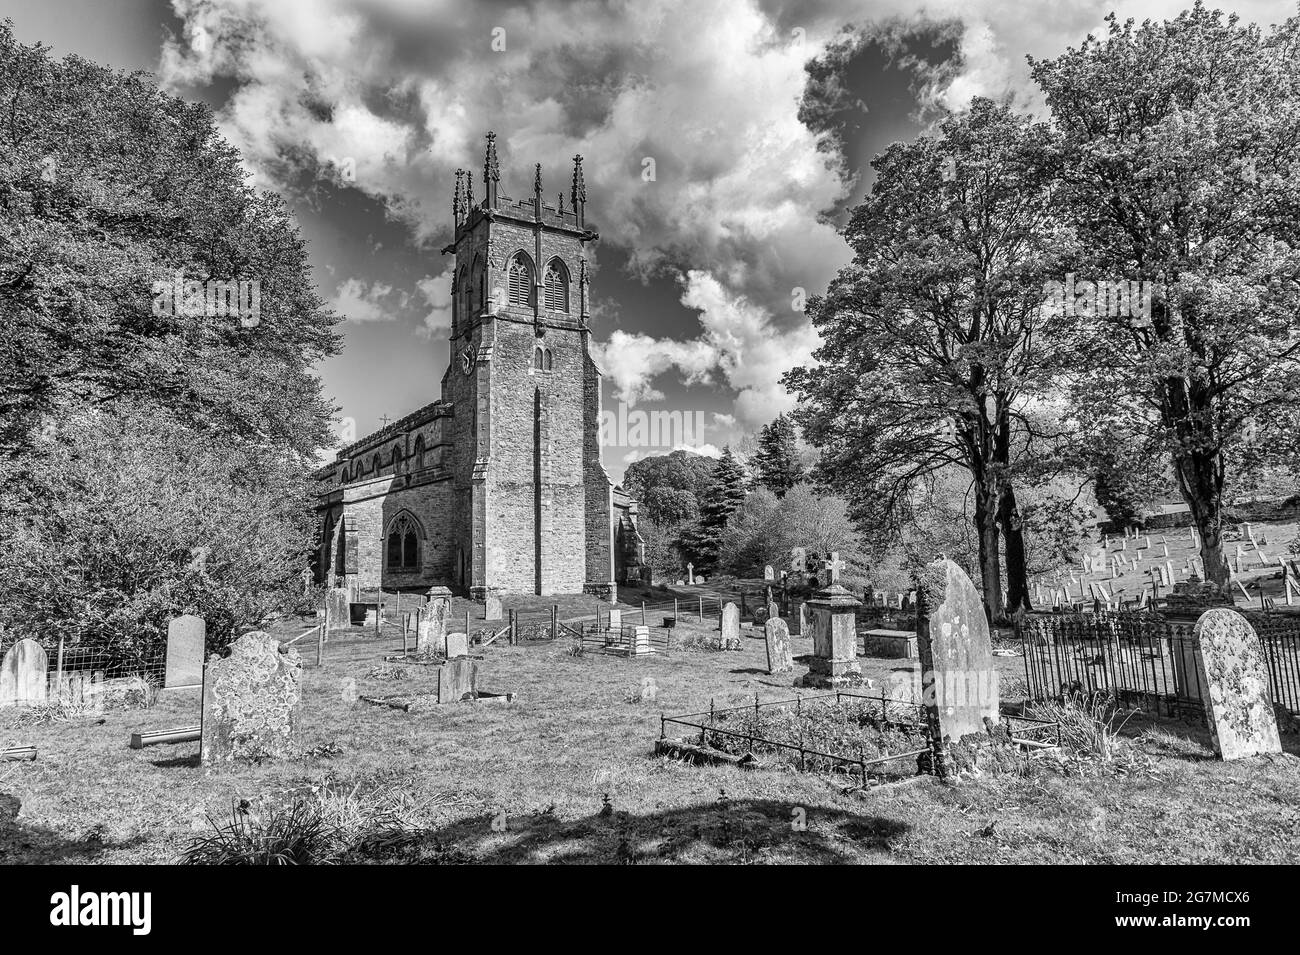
{"x":765,"y":528}
{"x":124,"y":521}
{"x":778,"y":463}
{"x":934,"y":337}
{"x":702,"y":541}
{"x":108,"y":185}
{"x":678,"y":471}
{"x":1181,"y":168}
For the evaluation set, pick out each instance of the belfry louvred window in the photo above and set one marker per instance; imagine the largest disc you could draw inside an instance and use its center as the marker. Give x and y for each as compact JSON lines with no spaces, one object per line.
{"x":521,"y":281}
{"x":555,"y":284}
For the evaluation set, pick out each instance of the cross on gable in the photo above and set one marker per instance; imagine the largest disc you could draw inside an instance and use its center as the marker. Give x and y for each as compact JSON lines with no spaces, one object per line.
{"x":383,"y":420}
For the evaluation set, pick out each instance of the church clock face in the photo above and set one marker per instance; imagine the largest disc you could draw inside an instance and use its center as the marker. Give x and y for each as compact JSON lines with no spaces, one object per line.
{"x":467,"y":356}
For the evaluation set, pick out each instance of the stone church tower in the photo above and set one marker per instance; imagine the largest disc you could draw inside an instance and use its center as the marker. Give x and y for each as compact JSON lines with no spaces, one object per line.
{"x":499,"y":486}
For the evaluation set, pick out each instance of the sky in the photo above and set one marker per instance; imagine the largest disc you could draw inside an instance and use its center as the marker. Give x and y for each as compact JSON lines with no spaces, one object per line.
{"x":723,"y":143}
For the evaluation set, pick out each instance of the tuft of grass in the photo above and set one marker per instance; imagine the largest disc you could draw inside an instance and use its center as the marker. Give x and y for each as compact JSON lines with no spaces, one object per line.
{"x":1088,"y":724}
{"x":296,"y":834}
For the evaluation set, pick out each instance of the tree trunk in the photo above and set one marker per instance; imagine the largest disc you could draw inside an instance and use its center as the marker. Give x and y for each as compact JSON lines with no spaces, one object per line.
{"x":986,"y":523}
{"x":1014,"y":535}
{"x":1198,"y":478}
{"x":1199,"y":465}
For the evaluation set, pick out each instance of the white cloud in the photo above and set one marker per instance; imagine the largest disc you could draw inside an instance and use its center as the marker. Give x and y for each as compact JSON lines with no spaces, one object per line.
{"x":437,"y":293}
{"x":740,"y":345}
{"x":358,"y":302}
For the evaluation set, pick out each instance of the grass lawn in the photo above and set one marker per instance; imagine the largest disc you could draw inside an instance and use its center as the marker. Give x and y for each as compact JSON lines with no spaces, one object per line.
{"x":566,"y":774}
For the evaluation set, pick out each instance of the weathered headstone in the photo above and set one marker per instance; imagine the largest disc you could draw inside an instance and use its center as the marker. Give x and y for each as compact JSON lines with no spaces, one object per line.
{"x":690,"y":574}
{"x":641,"y":643}
{"x":457,"y":679}
{"x":731,"y":627}
{"x":185,"y":642}
{"x":457,"y":645}
{"x":835,"y":639}
{"x":615,"y":618}
{"x":431,"y":636}
{"x":250,"y":701}
{"x":956,"y":653}
{"x":24,"y":674}
{"x":492,"y":608}
{"x":798,"y":560}
{"x":805,"y":620}
{"x":769,"y":573}
{"x":336,"y":607}
{"x":1234,"y":675}
{"x":780,"y":658}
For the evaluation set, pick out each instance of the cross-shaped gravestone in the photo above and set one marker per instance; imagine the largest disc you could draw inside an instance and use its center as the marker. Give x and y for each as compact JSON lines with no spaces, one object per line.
{"x":834,"y":566}
{"x":690,"y":574}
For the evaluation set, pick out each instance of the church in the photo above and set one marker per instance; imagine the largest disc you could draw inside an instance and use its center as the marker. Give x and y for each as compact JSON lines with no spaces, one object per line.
{"x":498,"y":486}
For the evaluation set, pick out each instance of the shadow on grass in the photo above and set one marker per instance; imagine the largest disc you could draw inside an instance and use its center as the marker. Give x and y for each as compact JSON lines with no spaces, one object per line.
{"x":24,"y":844}
{"x":746,"y":830}
{"x":178,"y":762}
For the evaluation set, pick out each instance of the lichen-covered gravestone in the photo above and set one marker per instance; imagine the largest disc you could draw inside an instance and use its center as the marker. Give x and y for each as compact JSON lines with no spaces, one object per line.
{"x":431,"y":637}
{"x":250,"y":701}
{"x":185,"y":638}
{"x":1236,"y":693}
{"x":956,"y":653}
{"x":780,"y":658}
{"x":24,"y":676}
{"x":731,"y":627}
{"x":492,"y":608}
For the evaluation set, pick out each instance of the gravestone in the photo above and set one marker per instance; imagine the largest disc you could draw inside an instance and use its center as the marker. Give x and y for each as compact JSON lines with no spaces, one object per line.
{"x":641,"y":643}
{"x":1234,"y":675}
{"x":457,"y":645}
{"x":690,"y":574}
{"x":957,"y":676}
{"x":769,"y":573}
{"x":336,"y":607}
{"x":185,"y":641}
{"x":457,"y":679}
{"x":492,"y":608}
{"x":780,"y":658}
{"x":615,"y":618}
{"x":804,"y":619}
{"x":731,"y":627}
{"x":23,"y":674}
{"x":431,"y":636}
{"x":834,"y":661}
{"x":251,"y":701}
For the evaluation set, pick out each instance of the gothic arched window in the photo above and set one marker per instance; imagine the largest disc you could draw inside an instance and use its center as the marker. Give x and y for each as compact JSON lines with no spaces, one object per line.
{"x":542,"y":358}
{"x":375,"y":464}
{"x":462,"y":292}
{"x":521,"y":280}
{"x":419,"y":452}
{"x":555,"y":286}
{"x":403,"y":550}
{"x":396,"y":459}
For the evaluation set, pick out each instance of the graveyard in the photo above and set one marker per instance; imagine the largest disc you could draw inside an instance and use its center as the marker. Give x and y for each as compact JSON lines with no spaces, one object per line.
{"x":566,"y":769}
{"x":650,"y":434}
